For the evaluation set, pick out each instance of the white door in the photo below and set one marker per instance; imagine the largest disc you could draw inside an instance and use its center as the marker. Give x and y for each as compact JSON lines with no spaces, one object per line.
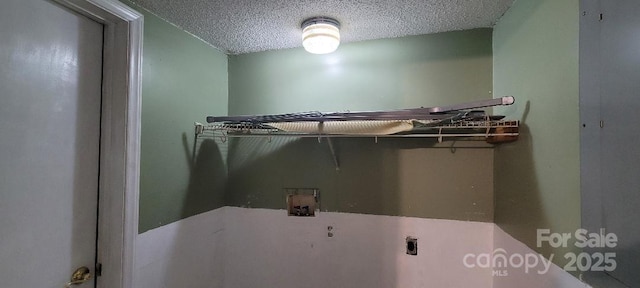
{"x":50,"y":95}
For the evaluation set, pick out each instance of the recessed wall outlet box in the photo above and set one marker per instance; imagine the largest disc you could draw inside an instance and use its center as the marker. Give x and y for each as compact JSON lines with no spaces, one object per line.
{"x":412,"y":246}
{"x":302,"y":201}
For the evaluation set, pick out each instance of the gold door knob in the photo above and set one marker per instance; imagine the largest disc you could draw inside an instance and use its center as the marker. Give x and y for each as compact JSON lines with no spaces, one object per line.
{"x":81,"y":275}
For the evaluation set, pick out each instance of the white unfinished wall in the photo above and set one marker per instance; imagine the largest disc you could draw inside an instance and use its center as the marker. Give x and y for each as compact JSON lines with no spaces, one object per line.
{"x":266,"y":248}
{"x":186,"y":253}
{"x":239,"y":247}
{"x":555,"y":277}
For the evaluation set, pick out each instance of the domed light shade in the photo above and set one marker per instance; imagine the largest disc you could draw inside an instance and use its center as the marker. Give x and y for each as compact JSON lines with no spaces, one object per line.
{"x":320,"y":35}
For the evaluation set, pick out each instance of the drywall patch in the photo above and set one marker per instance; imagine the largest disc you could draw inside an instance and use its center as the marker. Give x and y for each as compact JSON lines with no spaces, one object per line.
{"x":518,"y":277}
{"x":185,"y":253}
{"x":366,"y":250}
{"x":240,"y":247}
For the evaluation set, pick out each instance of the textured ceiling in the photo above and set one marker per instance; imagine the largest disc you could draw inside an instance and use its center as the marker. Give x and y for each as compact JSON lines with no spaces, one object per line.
{"x":244,"y":26}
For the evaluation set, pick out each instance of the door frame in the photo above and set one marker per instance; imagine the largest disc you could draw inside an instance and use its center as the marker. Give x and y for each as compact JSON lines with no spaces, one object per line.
{"x":119,"y":137}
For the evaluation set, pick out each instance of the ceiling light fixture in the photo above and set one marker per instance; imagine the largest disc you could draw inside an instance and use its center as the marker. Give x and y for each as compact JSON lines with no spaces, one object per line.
{"x":320,"y":35}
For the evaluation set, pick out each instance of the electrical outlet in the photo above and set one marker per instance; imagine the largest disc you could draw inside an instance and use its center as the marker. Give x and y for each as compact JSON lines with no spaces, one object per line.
{"x":412,"y":246}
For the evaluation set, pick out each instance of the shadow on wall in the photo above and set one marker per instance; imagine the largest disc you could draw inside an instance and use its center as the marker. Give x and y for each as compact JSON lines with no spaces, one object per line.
{"x":520,"y":209}
{"x":207,"y":176}
{"x":517,"y":193}
{"x":259,"y":170}
{"x":397,"y":177}
{"x":206,"y":190}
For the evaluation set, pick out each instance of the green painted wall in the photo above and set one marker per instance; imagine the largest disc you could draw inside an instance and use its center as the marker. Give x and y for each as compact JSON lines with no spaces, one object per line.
{"x":394,"y":177}
{"x":184,"y":80}
{"x":404,"y":72}
{"x":537,"y":181}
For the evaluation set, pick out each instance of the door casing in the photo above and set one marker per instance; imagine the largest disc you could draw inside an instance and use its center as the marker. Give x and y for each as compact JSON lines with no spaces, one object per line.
{"x":120,"y":137}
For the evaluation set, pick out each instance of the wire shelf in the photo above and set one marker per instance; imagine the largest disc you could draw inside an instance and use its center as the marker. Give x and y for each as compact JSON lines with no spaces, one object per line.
{"x":492,"y":131}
